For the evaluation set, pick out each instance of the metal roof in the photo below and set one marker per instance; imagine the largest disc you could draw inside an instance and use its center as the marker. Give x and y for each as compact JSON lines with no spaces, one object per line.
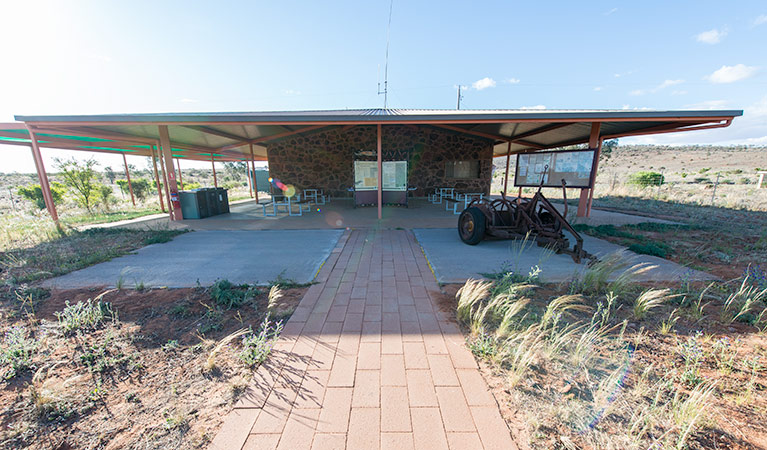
{"x":228,"y":135}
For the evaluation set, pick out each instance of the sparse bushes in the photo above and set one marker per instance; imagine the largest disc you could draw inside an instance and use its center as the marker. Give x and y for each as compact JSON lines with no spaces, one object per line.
{"x":646,"y":179}
{"x":230,"y":296}
{"x":85,"y":315}
{"x":34,"y":193}
{"x":16,"y":353}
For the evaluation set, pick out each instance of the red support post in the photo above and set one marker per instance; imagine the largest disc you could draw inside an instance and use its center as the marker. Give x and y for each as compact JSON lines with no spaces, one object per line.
{"x":43,"y":177}
{"x":170,"y":181}
{"x":583,"y":203}
{"x":594,"y":176}
{"x":164,"y":177}
{"x":380,"y":170}
{"x":157,"y":177}
{"x":127,"y":175}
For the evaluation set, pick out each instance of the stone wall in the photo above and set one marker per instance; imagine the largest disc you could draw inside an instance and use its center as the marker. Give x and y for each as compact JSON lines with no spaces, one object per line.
{"x":324,"y":160}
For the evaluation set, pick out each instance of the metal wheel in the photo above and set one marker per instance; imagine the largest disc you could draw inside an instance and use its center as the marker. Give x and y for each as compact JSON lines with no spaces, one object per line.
{"x":471,"y":225}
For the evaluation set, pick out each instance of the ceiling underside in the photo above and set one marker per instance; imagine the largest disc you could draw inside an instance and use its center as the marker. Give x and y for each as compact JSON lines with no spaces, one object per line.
{"x":229,"y":136}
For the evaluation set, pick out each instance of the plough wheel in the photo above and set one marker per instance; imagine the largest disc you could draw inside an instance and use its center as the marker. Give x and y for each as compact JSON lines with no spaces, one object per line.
{"x":471,"y":225}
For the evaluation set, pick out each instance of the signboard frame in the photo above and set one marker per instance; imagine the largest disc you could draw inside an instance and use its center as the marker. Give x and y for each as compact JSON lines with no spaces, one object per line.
{"x":557,"y":181}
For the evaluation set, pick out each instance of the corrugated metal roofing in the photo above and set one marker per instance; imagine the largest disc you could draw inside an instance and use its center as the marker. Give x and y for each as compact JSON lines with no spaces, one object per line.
{"x":198,"y":135}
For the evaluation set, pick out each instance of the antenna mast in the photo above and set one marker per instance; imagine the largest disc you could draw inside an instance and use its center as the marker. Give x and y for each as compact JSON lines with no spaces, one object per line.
{"x":385,"y":91}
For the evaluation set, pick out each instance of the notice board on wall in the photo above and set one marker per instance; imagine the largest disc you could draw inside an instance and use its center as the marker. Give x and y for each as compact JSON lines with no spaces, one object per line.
{"x":394,"y":175}
{"x":574,"y":166}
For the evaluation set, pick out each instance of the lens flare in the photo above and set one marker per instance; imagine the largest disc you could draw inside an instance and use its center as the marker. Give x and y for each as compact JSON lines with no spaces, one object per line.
{"x":289,"y":190}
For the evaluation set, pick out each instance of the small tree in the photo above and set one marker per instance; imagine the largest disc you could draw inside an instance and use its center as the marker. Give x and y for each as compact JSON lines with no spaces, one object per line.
{"x":34,"y":193}
{"x":105,"y":197}
{"x":608,"y":147}
{"x":110,"y":175}
{"x":81,"y":178}
{"x":236,"y":169}
{"x":141,"y":187}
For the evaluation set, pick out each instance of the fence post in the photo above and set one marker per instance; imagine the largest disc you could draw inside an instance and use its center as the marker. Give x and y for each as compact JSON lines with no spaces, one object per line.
{"x":713,"y":194}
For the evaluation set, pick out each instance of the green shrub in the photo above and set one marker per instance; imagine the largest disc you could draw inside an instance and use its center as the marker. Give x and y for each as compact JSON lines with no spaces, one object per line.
{"x":650,"y":248}
{"x":141,"y":187}
{"x":85,"y":315}
{"x":227,"y":295}
{"x":646,"y":178}
{"x":17,"y":351}
{"x":191,"y":185}
{"x":34,"y":193}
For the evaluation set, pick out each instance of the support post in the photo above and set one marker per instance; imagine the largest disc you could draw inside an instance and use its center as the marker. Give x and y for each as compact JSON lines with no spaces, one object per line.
{"x":380,"y":170}
{"x":43,"y":177}
{"x":170,"y":181}
{"x":593,"y":184}
{"x":583,"y":202}
{"x":157,"y":177}
{"x":127,"y":175}
{"x":253,"y":164}
{"x":506,"y":178}
{"x":213,"y":165}
{"x":164,"y":176}
{"x":180,"y":177}
{"x":247,"y":171}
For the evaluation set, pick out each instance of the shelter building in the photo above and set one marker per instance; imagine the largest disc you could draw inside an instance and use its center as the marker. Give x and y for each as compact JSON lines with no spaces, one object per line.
{"x":317,"y":149}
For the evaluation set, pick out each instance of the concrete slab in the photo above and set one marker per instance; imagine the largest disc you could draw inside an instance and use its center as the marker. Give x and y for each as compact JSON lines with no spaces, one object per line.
{"x":455,"y":262}
{"x":340,"y":214}
{"x":205,"y":256}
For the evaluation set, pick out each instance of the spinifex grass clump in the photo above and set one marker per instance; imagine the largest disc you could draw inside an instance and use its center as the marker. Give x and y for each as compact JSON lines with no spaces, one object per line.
{"x":574,"y":362}
{"x":17,"y":351}
{"x":256,"y":346}
{"x":86,"y":315}
{"x":227,"y":295}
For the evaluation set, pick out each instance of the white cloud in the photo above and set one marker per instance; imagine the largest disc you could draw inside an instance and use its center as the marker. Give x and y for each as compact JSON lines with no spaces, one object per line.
{"x":761,"y":20}
{"x":708,"y":104}
{"x":188,"y":100}
{"x":660,"y":87}
{"x":731,"y":74}
{"x":484,"y":83}
{"x":679,"y":93}
{"x":711,"y":36}
{"x":512,"y":80}
{"x":612,"y":11}
{"x":292,"y":92}
{"x":539,"y":107}
{"x":598,"y":88}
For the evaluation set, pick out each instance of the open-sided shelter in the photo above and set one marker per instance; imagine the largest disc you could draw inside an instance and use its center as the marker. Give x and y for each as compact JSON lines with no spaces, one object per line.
{"x":317,"y":149}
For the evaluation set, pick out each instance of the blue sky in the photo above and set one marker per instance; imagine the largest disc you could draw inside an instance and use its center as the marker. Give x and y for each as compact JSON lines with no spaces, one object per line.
{"x":81,"y":57}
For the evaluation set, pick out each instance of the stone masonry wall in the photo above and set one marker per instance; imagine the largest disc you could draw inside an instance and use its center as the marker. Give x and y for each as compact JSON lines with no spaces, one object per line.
{"x":325,"y":160}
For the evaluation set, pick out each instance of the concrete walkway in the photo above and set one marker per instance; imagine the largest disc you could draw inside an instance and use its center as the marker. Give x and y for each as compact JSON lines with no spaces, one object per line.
{"x":369,"y":361}
{"x":252,"y":257}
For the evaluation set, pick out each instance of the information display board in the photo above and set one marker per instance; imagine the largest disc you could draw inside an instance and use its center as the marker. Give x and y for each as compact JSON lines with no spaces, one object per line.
{"x":365,"y":175}
{"x":573,"y":166}
{"x":394,"y":175}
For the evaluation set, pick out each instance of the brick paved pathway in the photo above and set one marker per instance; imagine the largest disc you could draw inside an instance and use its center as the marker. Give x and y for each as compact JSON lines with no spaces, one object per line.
{"x":368,"y":361}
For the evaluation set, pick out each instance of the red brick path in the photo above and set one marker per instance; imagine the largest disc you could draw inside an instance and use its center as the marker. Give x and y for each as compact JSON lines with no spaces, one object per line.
{"x":367,"y":361}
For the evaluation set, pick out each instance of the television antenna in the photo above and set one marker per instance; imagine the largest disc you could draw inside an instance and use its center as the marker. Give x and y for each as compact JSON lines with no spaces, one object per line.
{"x":385,"y":90}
